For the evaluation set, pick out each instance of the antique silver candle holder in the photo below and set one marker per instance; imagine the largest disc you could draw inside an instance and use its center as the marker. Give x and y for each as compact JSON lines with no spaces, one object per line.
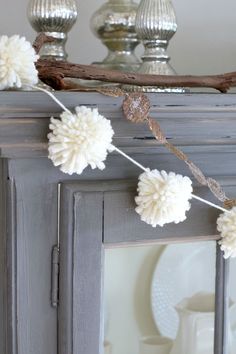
{"x":155,"y":25}
{"x":114,"y":24}
{"x":55,"y":18}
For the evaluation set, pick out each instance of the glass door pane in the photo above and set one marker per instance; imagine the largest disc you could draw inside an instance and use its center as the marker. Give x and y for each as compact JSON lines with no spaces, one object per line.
{"x":232,"y":304}
{"x":160,"y":299}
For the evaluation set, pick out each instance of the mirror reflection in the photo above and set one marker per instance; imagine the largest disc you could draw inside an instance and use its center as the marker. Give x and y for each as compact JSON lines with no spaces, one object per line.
{"x":160,"y":299}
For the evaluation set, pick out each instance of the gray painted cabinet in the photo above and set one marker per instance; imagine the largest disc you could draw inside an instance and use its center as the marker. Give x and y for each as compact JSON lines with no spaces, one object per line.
{"x":52,"y":303}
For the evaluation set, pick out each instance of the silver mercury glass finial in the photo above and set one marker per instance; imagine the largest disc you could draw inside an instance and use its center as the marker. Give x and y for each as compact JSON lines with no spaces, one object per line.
{"x":114,"y":24}
{"x":155,"y":26}
{"x":55,"y":18}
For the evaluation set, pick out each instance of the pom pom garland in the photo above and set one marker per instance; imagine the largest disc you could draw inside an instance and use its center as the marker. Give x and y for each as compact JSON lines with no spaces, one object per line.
{"x":17,"y":58}
{"x":79,"y":140}
{"x":85,"y":138}
{"x":163,"y":197}
{"x":226,"y":225}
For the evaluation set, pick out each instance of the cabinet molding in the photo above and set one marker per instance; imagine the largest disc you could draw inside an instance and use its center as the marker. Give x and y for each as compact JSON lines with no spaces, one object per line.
{"x":97,"y":215}
{"x":97,"y":211}
{"x":81,"y":265}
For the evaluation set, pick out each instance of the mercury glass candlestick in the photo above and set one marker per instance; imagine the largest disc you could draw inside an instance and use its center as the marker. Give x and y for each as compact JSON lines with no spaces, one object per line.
{"x":114,"y":24}
{"x":155,"y":25}
{"x":55,"y":18}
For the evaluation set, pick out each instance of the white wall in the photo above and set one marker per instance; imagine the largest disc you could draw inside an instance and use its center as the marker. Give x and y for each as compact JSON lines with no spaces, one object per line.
{"x":205,"y":41}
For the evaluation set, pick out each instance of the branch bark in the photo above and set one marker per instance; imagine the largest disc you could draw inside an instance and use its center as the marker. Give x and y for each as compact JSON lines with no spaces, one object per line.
{"x":40,"y":40}
{"x":54,"y":72}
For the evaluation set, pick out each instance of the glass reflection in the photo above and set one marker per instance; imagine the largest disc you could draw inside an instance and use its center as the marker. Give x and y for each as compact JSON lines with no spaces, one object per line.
{"x":232,"y":305}
{"x":160,"y":299}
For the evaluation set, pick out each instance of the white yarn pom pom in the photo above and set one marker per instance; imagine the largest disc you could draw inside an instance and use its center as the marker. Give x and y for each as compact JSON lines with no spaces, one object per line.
{"x":226,"y":225}
{"x":163,"y":197}
{"x":17,"y":58}
{"x":79,"y":140}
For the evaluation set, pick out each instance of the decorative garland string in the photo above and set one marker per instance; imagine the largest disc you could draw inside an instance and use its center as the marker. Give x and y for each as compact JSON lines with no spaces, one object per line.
{"x":124,"y":154}
{"x":130,"y":159}
{"x":209,"y":203}
{"x":146,"y":170}
{"x":84,"y":138}
{"x":53,"y":97}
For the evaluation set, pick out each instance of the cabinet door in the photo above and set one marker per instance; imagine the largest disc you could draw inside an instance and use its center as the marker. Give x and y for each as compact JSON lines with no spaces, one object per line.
{"x":28,"y":237}
{"x":95,"y":217}
{"x":81,"y":262}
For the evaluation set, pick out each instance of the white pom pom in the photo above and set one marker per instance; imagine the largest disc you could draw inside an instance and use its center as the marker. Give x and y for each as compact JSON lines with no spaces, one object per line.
{"x":226,"y":225}
{"x":17,"y":58}
{"x":79,"y":140}
{"x":163,"y":197}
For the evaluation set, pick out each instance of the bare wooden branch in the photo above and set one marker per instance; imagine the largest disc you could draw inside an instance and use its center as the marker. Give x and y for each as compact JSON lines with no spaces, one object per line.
{"x":53,"y":73}
{"x":40,"y":40}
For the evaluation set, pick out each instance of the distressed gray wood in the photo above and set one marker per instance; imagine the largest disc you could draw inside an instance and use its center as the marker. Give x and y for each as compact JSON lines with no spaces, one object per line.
{"x":3,"y":261}
{"x":95,"y":208}
{"x":120,"y":168}
{"x":122,"y":225}
{"x":18,"y":101}
{"x":32,"y":232}
{"x":187,"y":120}
{"x":221,"y":345}
{"x":82,"y":199}
{"x":65,"y":310}
{"x":81,"y":259}
{"x":82,"y":227}
{"x":11,"y":270}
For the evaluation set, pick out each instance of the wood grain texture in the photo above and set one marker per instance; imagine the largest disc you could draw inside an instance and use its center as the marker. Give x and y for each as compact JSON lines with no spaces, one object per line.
{"x":11,"y":269}
{"x":203,"y":125}
{"x":120,"y":206}
{"x":221,"y":341}
{"x":81,"y":259}
{"x":123,"y":224}
{"x":88,"y":273}
{"x":3,"y":261}
{"x":65,"y":310}
{"x":187,"y":120}
{"x":53,"y":74}
{"x":32,"y":240}
{"x":81,"y":236}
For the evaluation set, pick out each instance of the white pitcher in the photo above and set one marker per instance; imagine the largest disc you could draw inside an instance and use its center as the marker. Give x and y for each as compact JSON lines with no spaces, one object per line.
{"x":196,"y":329}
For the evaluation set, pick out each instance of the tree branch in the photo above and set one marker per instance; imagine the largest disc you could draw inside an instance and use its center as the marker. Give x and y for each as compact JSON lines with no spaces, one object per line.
{"x":53,"y":73}
{"x":40,"y":40}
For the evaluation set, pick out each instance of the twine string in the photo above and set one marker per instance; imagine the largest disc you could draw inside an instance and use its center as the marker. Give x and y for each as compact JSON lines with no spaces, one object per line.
{"x":130,"y":159}
{"x":145,"y":169}
{"x":53,"y":97}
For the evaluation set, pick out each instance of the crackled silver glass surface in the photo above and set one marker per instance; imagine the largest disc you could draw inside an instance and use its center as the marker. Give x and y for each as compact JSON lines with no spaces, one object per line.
{"x":114,"y":24}
{"x":155,"y":25}
{"x":55,"y":18}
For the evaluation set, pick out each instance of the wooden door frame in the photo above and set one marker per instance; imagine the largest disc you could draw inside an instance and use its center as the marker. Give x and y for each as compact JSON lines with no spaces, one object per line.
{"x":81,"y":261}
